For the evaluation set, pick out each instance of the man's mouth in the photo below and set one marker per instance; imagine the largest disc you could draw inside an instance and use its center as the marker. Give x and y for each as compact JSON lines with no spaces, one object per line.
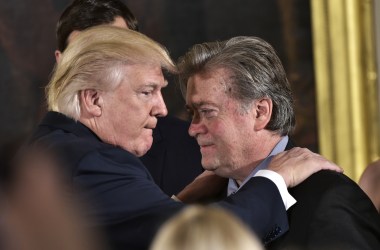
{"x":203,"y":142}
{"x":205,"y":145}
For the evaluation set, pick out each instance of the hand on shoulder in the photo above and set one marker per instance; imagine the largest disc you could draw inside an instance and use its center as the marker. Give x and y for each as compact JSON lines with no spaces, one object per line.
{"x":298,"y":164}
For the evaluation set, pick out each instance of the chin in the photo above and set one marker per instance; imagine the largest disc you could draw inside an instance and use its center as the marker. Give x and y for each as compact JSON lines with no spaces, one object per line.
{"x":138,"y":151}
{"x":139,"y":154}
{"x":144,"y":149}
{"x":208,"y":166}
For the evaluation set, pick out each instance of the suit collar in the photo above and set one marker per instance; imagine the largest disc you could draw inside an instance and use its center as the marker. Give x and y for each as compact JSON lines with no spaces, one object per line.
{"x":291,"y":144}
{"x":60,"y":121}
{"x":280,"y":147}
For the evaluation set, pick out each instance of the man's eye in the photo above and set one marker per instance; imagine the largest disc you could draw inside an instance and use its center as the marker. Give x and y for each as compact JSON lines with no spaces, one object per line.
{"x":147,"y":93}
{"x":205,"y":111}
{"x":208,"y":113}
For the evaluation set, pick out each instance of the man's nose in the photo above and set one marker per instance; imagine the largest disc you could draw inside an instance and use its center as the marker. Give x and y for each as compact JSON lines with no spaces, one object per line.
{"x":159,"y":109}
{"x":196,"y":128}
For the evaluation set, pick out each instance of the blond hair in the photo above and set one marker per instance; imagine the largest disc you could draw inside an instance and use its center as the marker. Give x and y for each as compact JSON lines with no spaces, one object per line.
{"x":96,"y":60}
{"x":205,"y":228}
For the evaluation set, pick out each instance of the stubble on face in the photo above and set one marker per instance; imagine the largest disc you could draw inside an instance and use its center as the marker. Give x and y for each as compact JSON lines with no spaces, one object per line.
{"x":225,"y":133}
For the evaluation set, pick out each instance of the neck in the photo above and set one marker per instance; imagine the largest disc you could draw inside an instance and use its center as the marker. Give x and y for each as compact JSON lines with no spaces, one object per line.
{"x":258,"y":153}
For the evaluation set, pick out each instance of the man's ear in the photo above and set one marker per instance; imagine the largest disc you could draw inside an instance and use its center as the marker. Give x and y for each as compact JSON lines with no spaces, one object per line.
{"x":263,"y":111}
{"x":91,"y":102}
{"x":58,"y":55}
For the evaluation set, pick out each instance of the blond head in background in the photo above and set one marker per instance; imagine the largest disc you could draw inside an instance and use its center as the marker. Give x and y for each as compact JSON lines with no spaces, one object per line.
{"x":205,"y":228}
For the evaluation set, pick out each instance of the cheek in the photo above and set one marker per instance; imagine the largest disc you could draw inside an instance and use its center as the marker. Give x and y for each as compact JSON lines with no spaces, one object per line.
{"x":219,"y":131}
{"x":136,"y":116}
{"x":227,"y":138}
{"x":142,"y":111}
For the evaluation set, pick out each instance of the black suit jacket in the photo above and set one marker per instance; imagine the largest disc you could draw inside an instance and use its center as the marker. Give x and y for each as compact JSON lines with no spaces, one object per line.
{"x":122,"y":196}
{"x":174,"y":159}
{"x":331,"y":212}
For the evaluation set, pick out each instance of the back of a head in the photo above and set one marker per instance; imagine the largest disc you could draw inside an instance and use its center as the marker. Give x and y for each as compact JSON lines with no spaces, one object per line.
{"x":83,"y":14}
{"x":96,"y":60}
{"x":205,"y":228}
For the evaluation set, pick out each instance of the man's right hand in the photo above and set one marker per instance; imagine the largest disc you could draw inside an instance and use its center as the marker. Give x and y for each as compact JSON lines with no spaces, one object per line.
{"x":297,"y":164}
{"x":206,"y":187}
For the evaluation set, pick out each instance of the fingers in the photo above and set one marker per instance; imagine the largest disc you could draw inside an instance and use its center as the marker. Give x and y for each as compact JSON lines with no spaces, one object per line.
{"x":329,"y":165}
{"x":320,"y":162}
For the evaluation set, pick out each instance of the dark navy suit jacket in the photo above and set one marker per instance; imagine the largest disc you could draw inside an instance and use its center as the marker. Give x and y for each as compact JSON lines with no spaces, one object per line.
{"x":331,"y":212}
{"x":174,"y":160}
{"x":123,"y":197}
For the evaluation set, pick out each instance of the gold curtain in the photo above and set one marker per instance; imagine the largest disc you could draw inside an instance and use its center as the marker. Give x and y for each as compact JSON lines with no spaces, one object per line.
{"x":346,"y":82}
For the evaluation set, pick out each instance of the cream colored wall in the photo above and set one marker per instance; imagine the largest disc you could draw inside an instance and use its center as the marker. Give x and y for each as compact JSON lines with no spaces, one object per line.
{"x":346,"y":80}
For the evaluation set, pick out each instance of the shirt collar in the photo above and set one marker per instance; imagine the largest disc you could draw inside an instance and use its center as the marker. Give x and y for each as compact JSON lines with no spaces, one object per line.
{"x":280,"y":147}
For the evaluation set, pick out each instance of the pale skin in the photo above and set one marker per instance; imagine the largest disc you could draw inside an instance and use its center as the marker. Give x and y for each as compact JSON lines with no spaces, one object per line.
{"x":127,"y":115}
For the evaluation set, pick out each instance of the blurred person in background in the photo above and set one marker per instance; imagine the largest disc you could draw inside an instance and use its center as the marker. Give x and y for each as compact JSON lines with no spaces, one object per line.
{"x":204,"y":228}
{"x":38,"y":211}
{"x":370,"y":182}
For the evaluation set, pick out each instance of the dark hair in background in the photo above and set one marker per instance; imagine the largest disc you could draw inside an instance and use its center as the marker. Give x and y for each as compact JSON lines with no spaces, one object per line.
{"x":82,"y":14}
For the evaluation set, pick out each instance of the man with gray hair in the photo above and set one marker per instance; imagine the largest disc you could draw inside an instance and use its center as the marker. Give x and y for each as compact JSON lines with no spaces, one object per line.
{"x":242,"y":113}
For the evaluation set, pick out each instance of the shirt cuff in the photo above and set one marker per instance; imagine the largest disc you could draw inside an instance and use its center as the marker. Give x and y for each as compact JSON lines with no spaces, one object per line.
{"x":175,"y":198}
{"x":280,"y":183}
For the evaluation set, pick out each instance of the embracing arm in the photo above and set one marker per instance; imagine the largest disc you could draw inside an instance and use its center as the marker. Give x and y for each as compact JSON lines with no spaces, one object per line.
{"x":259,"y":202}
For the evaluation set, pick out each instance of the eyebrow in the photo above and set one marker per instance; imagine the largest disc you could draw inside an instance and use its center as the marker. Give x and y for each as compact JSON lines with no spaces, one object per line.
{"x":197,"y":104}
{"x":156,"y":85}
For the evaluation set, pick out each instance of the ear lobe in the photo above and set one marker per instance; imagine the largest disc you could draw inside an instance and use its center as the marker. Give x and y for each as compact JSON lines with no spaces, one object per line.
{"x":58,"y":55}
{"x":263,"y":108}
{"x":92,"y":102}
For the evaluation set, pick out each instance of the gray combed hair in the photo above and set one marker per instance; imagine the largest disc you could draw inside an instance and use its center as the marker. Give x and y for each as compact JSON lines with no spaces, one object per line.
{"x":255,"y":72}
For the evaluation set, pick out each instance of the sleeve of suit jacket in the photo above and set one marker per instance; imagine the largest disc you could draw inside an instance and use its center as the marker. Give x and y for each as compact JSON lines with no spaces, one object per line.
{"x":132,"y":208}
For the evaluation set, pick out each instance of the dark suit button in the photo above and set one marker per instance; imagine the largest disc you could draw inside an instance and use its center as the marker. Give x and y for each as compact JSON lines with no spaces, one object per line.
{"x":272,"y":234}
{"x":277,"y":231}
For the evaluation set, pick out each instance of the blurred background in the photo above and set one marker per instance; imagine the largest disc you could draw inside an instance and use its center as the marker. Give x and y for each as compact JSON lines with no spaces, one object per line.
{"x":327,"y":48}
